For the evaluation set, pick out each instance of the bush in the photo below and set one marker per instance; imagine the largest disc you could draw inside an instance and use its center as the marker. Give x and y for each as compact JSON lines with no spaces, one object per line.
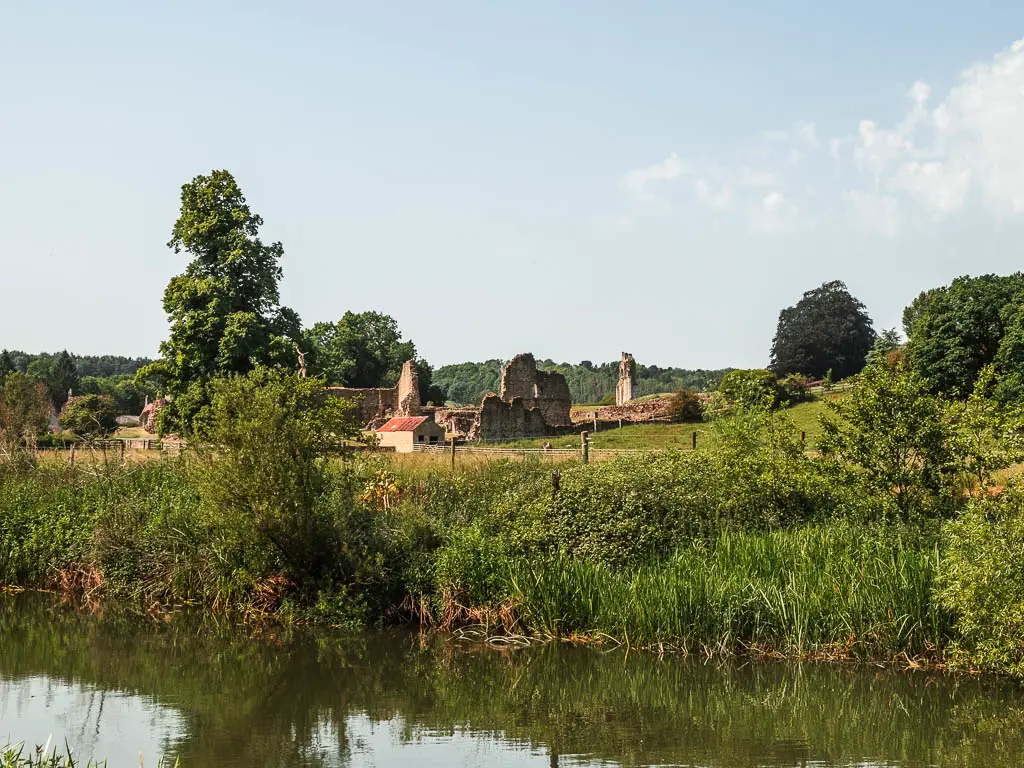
{"x":685,"y":406}
{"x":262,"y":466}
{"x":982,"y":579}
{"x":756,"y":387}
{"x":89,"y":416}
{"x":796,"y":388}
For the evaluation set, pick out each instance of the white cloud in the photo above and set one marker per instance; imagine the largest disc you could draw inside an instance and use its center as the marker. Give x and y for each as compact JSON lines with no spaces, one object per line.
{"x":775,"y":215}
{"x":720,"y":200}
{"x":877,"y":213}
{"x":940,"y":157}
{"x":636,"y":181}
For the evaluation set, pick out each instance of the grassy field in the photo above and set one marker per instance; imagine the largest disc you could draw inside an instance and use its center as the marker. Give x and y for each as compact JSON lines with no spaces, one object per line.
{"x":804,"y":417}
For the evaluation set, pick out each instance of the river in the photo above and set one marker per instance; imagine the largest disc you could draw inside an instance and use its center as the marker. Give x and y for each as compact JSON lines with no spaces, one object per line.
{"x":116,"y":685}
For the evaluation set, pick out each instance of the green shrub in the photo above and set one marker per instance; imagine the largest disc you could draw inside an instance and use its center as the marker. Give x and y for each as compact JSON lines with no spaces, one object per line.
{"x":685,"y":406}
{"x":982,"y":579}
{"x":796,"y":388}
{"x":89,"y":416}
{"x":747,"y":388}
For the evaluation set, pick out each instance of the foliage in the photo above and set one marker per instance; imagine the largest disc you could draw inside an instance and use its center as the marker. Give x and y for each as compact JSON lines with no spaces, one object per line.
{"x":24,"y":408}
{"x":885,"y":345}
{"x":126,"y":394}
{"x":89,"y":416}
{"x":6,"y":366}
{"x":225,"y":308}
{"x":897,"y":435}
{"x":956,"y":330}
{"x":685,"y":406}
{"x":263,"y":464}
{"x":982,"y":581}
{"x":756,"y":387}
{"x":796,"y":388}
{"x":827,"y":329}
{"x":363,"y":349}
{"x":849,"y":589}
{"x":987,"y":434}
{"x":59,"y":374}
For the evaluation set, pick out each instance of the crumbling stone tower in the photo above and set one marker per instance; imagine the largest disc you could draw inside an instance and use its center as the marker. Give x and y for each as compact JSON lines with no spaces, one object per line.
{"x":627,"y":378}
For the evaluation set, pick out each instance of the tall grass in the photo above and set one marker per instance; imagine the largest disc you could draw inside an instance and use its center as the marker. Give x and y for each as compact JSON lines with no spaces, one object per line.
{"x":834,"y":588}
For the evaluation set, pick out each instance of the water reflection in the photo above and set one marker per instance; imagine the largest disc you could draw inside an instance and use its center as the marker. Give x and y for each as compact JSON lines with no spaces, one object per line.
{"x":220,"y":697}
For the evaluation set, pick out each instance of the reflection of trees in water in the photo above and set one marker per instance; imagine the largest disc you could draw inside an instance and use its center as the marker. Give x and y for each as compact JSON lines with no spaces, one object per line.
{"x":279,"y":698}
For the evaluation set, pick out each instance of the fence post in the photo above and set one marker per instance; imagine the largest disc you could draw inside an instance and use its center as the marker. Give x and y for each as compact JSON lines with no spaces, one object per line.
{"x":803,"y":436}
{"x":693,"y":440}
{"x":595,"y":421}
{"x":585,"y":446}
{"x":122,"y":450}
{"x":453,"y":452}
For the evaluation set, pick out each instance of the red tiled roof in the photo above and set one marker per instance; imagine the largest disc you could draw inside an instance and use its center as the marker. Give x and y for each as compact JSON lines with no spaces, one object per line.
{"x":403,"y":424}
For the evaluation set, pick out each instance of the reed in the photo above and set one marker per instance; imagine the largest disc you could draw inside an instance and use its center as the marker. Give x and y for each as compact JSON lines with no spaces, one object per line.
{"x":833,"y":589}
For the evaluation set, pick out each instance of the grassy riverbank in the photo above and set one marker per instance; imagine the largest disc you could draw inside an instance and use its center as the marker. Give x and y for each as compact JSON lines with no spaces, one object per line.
{"x":637,"y":551}
{"x":751,"y":544}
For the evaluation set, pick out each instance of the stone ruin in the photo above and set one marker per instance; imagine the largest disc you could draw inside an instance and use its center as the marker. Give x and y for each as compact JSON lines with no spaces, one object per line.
{"x":531,"y":403}
{"x":374,"y":406}
{"x":149,"y":420}
{"x":627,"y":378}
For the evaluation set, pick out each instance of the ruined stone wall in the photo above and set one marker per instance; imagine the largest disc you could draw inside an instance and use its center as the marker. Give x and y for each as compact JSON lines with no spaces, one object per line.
{"x":370,"y":404}
{"x":408,"y":394}
{"x":552,"y":398}
{"x":373,"y":405}
{"x":501,"y":420}
{"x":627,"y":378}
{"x":150,"y":418}
{"x":546,"y":391}
{"x":656,"y":409}
{"x":519,"y":378}
{"x":461,"y":422}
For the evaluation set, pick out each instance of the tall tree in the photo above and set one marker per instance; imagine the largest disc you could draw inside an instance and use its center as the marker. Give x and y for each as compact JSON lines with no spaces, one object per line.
{"x":60,"y":375}
{"x":827,"y":330}
{"x":6,"y":366}
{"x":24,"y":408}
{"x":956,"y":330}
{"x":363,"y":349}
{"x":224,"y":310}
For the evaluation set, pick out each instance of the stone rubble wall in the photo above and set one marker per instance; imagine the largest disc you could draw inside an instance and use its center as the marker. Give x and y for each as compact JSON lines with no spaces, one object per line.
{"x":637,"y":411}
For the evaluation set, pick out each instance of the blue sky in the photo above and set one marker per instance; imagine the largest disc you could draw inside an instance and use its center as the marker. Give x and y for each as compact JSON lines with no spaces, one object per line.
{"x":571,"y":179}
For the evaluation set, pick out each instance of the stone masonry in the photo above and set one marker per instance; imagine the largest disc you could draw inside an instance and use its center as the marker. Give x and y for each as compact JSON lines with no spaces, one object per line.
{"x":532,"y":403}
{"x":374,"y":404}
{"x":627,"y":378}
{"x":546,"y":391}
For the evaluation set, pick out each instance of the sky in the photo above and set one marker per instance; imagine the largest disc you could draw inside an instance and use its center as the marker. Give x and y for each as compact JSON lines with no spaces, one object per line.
{"x":573,"y":179}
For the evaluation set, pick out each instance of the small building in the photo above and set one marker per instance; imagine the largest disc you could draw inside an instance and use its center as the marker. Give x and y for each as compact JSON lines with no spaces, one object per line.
{"x":404,"y":432}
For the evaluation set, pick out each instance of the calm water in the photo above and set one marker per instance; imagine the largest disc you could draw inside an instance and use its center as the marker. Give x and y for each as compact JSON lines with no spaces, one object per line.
{"x":115,"y":686}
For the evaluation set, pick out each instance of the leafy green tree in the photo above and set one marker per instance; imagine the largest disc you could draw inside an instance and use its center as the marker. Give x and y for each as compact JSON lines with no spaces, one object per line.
{"x":955,"y":331}
{"x":59,"y":374}
{"x":225,"y":308}
{"x":988,"y":434}
{"x":827,"y":329}
{"x":750,"y":388}
{"x":6,"y":366}
{"x":888,"y":341}
{"x":25,"y":408}
{"x":896,"y":435}
{"x":363,"y":349}
{"x":264,"y":465}
{"x":89,"y":416}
